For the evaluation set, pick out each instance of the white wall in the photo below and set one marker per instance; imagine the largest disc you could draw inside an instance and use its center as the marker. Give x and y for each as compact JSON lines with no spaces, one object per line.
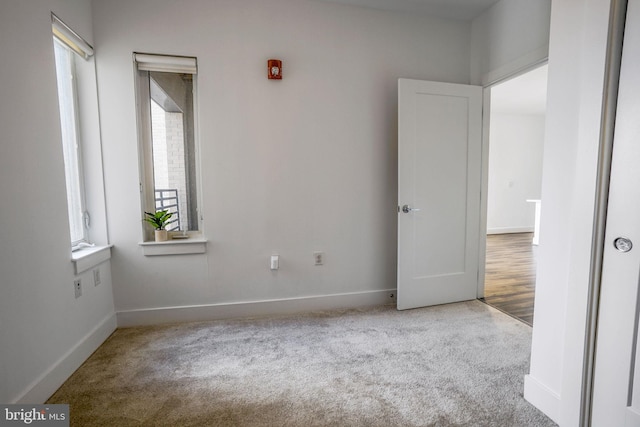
{"x":508,"y":38}
{"x":576,"y":67}
{"x":515,"y":171}
{"x":289,"y":167}
{"x":317,"y":173}
{"x":45,"y":332}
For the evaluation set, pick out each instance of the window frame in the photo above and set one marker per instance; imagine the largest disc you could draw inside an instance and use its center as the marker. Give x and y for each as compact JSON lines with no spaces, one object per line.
{"x":65,"y":41}
{"x":143,"y":64}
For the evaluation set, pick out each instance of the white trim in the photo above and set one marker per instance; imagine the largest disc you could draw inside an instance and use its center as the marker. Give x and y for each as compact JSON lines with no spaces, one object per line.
{"x":47,"y":383}
{"x":508,"y":230}
{"x":542,"y":398}
{"x":484,"y":189}
{"x":516,"y":67}
{"x":86,"y":259}
{"x":192,"y":245}
{"x":195,"y":313}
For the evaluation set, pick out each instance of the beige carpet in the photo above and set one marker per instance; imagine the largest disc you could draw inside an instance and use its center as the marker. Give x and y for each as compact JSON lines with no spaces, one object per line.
{"x":453,"y":365}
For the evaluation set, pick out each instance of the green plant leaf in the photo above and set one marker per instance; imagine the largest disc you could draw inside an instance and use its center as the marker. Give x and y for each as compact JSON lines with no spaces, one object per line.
{"x":158,"y":219}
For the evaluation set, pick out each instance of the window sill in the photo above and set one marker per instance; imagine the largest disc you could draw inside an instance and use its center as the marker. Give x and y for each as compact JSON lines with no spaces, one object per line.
{"x":87,"y":258}
{"x":192,"y":245}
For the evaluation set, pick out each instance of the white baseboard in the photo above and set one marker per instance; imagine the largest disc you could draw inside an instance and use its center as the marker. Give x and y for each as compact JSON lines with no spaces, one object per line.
{"x":509,"y":230}
{"x":196,"y":313}
{"x":47,"y":383}
{"x":542,"y":398}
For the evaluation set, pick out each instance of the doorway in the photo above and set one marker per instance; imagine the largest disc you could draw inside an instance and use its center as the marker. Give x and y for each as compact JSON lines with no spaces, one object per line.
{"x":517,"y":122}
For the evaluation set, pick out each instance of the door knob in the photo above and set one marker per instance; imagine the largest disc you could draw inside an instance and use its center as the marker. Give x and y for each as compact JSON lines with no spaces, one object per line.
{"x":623,"y":244}
{"x":407,"y":209}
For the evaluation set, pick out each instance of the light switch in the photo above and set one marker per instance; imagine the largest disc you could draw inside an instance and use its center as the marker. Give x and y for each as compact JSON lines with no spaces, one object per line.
{"x":275,"y":262}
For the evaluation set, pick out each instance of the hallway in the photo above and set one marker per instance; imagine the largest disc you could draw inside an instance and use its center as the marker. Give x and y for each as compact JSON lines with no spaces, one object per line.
{"x":510,"y":274}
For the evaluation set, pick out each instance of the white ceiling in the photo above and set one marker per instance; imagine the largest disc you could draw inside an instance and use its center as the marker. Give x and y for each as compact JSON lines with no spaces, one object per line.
{"x":454,"y":9}
{"x":525,"y":94}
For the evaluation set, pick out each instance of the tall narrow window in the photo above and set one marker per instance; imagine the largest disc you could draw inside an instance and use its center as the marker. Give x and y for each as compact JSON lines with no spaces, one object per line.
{"x":68,"y":48}
{"x":167,"y":138}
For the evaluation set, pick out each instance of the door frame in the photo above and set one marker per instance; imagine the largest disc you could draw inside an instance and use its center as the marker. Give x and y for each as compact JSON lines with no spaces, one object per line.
{"x":484,"y":185}
{"x":615,"y":37}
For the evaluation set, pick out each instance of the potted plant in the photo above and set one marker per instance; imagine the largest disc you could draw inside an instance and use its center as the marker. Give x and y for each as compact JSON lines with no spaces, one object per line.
{"x":159,"y":220}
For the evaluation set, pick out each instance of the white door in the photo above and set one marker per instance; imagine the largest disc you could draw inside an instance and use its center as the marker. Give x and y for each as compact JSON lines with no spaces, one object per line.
{"x":439,"y":171}
{"x":616,"y":387}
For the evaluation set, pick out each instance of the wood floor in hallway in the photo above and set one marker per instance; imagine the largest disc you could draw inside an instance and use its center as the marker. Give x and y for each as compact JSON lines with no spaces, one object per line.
{"x":510,"y":274}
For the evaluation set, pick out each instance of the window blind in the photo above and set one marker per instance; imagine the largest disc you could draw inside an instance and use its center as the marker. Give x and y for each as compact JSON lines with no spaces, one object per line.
{"x":70,"y":38}
{"x":165,"y":63}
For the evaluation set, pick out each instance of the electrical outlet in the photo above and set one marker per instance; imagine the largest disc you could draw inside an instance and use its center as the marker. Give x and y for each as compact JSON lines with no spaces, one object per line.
{"x":77,"y":286}
{"x":96,"y":277}
{"x":318,"y":258}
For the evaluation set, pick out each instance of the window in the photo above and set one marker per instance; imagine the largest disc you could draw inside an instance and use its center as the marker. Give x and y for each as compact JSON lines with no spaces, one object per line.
{"x":165,"y":86}
{"x":69,"y":48}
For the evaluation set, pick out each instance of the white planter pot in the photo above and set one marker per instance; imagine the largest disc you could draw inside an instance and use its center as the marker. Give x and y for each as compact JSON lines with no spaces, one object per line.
{"x":161,"y":235}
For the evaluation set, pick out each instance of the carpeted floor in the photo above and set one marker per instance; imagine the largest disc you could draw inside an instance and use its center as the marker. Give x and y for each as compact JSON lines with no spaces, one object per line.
{"x":452,"y":365}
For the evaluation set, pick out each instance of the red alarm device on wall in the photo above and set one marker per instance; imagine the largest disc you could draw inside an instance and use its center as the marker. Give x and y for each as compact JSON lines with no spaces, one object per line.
{"x":274,"y":69}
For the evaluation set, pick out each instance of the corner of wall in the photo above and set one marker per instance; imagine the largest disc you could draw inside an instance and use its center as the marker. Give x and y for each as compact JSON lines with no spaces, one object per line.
{"x":509,"y":38}
{"x":47,"y":383}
